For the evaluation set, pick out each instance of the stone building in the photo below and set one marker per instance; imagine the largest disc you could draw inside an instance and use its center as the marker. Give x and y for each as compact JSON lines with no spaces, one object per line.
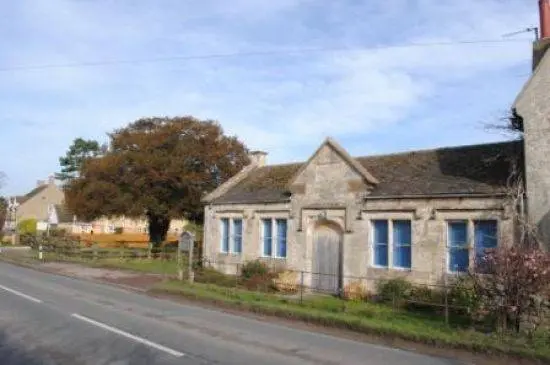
{"x":418,"y":214}
{"x":36,"y":203}
{"x":422,"y":215}
{"x":533,"y":105}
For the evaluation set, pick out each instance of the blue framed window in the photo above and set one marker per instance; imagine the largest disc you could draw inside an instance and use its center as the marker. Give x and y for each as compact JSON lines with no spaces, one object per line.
{"x":380,"y":242}
{"x":225,"y":235}
{"x":401,"y":244}
{"x":267,"y":232}
{"x":281,"y":237}
{"x":459,"y":254}
{"x":237,"y":235}
{"x":231,"y":235}
{"x":485,"y":238}
{"x":274,"y":237}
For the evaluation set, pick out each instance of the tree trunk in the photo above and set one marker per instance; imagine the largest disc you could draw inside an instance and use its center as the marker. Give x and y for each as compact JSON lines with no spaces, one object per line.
{"x":158,"y":228}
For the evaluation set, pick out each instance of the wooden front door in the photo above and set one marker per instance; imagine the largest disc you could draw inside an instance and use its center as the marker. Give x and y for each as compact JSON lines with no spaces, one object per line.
{"x":327,"y":259}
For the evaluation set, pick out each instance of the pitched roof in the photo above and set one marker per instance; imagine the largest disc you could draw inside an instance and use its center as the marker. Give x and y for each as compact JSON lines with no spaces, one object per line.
{"x":63,"y":214}
{"x":463,"y":170}
{"x":360,"y":169}
{"x":22,"y":199}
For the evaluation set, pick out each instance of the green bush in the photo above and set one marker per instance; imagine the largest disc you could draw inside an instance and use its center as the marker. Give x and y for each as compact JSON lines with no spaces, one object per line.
{"x":119,"y":230}
{"x":463,"y":294}
{"x":254,"y":268}
{"x":255,"y":275}
{"x":393,"y":290}
{"x":28,"y":239}
{"x":425,"y":300}
{"x":27,"y":226}
{"x":466,"y":305}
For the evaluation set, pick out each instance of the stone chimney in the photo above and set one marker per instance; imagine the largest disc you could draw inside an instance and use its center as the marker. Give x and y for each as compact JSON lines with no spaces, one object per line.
{"x":541,"y":45}
{"x":257,"y":158}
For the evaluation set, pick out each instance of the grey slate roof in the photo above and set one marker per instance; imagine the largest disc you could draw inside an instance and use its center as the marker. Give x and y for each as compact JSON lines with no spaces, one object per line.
{"x":463,"y":170}
{"x":63,"y":214}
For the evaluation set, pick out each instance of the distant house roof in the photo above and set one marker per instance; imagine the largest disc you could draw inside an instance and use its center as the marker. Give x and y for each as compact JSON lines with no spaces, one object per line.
{"x":464,"y":170}
{"x":63,"y":214}
{"x":22,"y":199}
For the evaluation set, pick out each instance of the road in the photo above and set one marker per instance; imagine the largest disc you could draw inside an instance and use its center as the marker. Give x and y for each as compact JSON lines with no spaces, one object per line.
{"x":49,"y":319}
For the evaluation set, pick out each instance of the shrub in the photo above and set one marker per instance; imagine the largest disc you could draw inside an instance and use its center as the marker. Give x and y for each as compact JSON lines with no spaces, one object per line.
{"x":119,"y":230}
{"x":254,"y":268}
{"x":513,"y":284}
{"x":394,"y":290}
{"x":355,"y":290}
{"x":256,"y":275}
{"x":425,"y":299}
{"x":463,"y":295}
{"x":58,"y":232}
{"x":27,"y":239}
{"x":27,"y":226}
{"x":287,"y":281}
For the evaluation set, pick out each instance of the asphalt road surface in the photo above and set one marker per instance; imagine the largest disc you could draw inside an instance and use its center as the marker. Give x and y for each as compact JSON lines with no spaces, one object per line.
{"x":49,"y":319}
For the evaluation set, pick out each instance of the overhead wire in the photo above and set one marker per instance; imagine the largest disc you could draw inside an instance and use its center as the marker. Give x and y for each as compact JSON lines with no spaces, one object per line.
{"x":100,"y":63}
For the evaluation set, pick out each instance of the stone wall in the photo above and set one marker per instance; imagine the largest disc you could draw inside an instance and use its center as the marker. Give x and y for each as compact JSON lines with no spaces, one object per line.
{"x":533,"y":104}
{"x":429,"y":234}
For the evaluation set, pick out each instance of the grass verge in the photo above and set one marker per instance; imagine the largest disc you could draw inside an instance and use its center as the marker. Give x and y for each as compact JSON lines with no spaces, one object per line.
{"x":367,"y":318}
{"x":144,"y":265}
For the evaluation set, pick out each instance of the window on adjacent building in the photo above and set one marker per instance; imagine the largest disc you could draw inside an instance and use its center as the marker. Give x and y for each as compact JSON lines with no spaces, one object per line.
{"x":274,"y":237}
{"x":485,"y":237}
{"x":399,"y":242}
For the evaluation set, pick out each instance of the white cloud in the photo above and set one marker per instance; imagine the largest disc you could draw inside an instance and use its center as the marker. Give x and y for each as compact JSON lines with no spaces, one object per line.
{"x":279,"y":103}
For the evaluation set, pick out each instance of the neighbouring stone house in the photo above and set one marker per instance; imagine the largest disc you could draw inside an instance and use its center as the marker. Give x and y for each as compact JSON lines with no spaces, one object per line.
{"x":36,"y":203}
{"x":422,"y":215}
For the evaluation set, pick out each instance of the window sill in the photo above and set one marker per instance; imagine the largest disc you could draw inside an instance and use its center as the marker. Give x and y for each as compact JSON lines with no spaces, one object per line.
{"x":388,"y":268}
{"x":273,"y":258}
{"x":457,"y":273}
{"x":230,"y":254}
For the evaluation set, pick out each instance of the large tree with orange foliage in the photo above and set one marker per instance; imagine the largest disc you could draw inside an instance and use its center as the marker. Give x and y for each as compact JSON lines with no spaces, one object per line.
{"x":156,"y":167}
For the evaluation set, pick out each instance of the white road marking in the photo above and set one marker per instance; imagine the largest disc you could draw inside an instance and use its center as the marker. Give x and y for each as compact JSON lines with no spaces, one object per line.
{"x":129,"y":335}
{"x":20,"y":294}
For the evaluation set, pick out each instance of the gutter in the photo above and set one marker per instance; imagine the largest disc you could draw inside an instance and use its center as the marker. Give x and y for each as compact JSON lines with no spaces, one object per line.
{"x":435,"y":196}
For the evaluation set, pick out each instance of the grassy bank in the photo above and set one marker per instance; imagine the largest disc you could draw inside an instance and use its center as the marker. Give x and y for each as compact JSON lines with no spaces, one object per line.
{"x":144,"y":264}
{"x":368,"y":318}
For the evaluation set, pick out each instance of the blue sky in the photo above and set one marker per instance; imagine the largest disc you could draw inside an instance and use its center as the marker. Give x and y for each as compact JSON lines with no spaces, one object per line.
{"x":368,"y":95}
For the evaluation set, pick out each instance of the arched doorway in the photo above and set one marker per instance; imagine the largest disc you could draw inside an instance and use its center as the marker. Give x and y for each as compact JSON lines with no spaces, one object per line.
{"x":327,"y":258}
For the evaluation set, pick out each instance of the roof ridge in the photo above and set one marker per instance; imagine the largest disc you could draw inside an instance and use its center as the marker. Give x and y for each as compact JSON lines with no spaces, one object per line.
{"x":447,"y":148}
{"x":423,"y":150}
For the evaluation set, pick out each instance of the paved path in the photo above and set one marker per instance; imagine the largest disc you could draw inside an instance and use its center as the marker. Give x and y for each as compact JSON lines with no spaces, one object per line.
{"x":50,"y":319}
